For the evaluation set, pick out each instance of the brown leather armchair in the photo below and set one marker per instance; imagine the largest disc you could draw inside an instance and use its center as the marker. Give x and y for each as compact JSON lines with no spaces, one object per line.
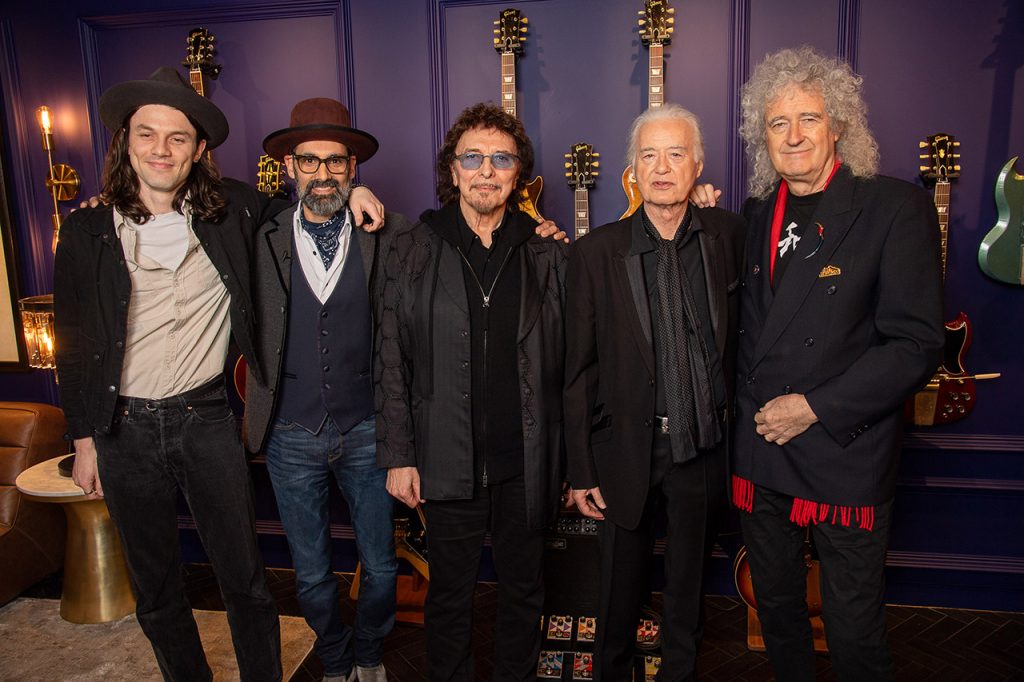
{"x":31,"y":533}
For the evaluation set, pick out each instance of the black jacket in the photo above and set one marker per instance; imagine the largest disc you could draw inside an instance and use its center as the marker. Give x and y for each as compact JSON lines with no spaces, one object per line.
{"x":610,"y":359}
{"x":92,"y":289}
{"x":423,"y":365}
{"x":855,"y":326}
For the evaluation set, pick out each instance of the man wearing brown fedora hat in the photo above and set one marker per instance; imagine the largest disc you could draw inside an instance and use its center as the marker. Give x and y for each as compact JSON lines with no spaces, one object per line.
{"x":149,"y":287}
{"x":312,"y":411}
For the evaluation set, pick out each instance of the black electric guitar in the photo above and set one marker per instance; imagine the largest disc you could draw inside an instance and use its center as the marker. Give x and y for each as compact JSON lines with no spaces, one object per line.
{"x":950,"y":395}
{"x":656,"y":26}
{"x":509,"y":37}
{"x":581,"y":165}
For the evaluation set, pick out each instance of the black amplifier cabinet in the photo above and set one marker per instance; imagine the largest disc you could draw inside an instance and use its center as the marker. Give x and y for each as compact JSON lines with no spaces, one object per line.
{"x":572,"y":565}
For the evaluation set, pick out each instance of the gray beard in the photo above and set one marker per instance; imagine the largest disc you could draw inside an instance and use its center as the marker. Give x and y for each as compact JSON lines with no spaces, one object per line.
{"x":325,"y":206}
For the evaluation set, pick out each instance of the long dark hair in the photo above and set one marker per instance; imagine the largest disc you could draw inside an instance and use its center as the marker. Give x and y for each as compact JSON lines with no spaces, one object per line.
{"x":121,"y":183}
{"x":486,"y":116}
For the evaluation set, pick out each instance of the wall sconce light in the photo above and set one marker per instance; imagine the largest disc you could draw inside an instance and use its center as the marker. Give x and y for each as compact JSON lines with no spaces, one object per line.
{"x":63,"y":181}
{"x":37,"y":326}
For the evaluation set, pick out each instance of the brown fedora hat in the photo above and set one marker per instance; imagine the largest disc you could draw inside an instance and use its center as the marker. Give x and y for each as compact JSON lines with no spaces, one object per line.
{"x":320,"y":118}
{"x":164,"y":86}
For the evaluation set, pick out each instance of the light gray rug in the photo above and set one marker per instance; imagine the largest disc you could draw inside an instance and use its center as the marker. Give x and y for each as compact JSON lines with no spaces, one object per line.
{"x":36,"y":644}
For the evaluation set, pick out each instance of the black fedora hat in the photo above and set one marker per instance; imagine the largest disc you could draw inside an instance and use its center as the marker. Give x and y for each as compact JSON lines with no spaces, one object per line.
{"x":320,"y":118}
{"x":164,"y":86}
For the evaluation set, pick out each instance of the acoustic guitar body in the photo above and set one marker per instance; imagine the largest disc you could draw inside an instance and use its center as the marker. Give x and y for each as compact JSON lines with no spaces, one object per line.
{"x":1001,"y":254}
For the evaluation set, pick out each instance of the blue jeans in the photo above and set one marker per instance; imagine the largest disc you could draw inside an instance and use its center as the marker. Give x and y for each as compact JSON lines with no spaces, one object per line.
{"x":300,"y":464}
{"x":189,"y":443}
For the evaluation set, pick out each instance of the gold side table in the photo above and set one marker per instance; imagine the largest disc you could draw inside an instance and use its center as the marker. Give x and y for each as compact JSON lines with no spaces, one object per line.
{"x":96,"y":585}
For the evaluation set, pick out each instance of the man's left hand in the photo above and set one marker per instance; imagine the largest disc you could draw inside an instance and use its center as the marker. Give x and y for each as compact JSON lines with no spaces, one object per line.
{"x":782,"y":419}
{"x":547,"y":228}
{"x":361,"y":201}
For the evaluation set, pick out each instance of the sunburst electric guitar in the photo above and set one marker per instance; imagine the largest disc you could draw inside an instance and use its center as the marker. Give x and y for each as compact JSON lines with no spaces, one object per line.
{"x":509,"y":37}
{"x":656,"y":26}
{"x":950,"y":395}
{"x":581,"y":165}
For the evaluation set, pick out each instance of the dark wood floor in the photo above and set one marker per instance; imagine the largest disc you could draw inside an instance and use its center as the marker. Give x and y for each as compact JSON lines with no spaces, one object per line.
{"x":928,"y":643}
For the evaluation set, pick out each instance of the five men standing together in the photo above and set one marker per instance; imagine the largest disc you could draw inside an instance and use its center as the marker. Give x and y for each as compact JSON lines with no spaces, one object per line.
{"x":472,"y":328}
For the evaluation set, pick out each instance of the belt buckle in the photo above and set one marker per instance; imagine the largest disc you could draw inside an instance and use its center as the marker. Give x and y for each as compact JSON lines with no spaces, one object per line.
{"x":663,"y":422}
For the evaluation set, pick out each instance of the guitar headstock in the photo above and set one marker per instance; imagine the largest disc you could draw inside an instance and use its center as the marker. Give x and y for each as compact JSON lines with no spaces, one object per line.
{"x":510,"y":33}
{"x":581,"y":165}
{"x":200,"y":51}
{"x":941,"y":158}
{"x":268,"y":176}
{"x":656,"y":22}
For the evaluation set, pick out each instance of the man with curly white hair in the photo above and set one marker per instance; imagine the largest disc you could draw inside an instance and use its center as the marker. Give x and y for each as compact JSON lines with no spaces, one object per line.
{"x":840,"y":322}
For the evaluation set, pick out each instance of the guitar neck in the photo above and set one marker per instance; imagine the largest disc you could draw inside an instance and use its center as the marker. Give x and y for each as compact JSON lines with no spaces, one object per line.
{"x":942,"y":207}
{"x":195,"y":78}
{"x":582,"y":213}
{"x":508,"y":83}
{"x":656,"y":75}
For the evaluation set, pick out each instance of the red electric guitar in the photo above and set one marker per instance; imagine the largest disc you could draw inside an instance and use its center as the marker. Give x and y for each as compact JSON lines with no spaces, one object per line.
{"x":656,"y":28}
{"x":950,"y":395}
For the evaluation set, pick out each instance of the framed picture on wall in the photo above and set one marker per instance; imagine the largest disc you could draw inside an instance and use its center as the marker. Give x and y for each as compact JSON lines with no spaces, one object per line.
{"x":12,"y":345}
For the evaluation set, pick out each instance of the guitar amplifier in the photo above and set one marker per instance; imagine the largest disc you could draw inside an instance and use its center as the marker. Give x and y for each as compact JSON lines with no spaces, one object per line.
{"x":572,"y":565}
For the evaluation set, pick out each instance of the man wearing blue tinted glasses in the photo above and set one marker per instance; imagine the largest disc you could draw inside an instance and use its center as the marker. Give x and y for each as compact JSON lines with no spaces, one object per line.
{"x":469,"y":386}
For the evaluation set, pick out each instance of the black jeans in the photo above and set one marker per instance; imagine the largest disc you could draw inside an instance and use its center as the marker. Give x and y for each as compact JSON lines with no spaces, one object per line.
{"x":693,"y":496}
{"x":852,"y":563}
{"x":188,"y":442}
{"x":455,"y":538}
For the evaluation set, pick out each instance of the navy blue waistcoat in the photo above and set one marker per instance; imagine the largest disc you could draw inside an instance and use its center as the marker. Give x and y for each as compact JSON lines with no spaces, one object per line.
{"x":326,"y":364}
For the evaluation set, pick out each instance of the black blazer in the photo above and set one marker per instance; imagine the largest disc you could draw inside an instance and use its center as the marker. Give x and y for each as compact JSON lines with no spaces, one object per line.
{"x":610,"y":362}
{"x":92,"y":287}
{"x":855,"y":326}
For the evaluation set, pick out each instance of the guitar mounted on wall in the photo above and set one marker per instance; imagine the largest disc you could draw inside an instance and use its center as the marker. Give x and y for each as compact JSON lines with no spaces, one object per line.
{"x":1001,"y":254}
{"x":269,"y":179}
{"x":581,"y":165}
{"x":199,"y":60}
{"x":950,"y":395}
{"x":656,"y":27}
{"x":509,"y":37}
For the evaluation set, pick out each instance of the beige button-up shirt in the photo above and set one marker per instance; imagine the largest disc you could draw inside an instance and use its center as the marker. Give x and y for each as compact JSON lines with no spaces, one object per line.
{"x":178,"y":316}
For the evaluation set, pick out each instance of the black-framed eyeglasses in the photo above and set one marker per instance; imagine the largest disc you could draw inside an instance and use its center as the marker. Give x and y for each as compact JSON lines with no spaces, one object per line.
{"x":500,"y":160}
{"x":308,"y":163}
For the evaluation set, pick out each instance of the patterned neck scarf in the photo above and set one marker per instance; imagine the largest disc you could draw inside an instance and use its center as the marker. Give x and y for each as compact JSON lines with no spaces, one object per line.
{"x":325,"y":235}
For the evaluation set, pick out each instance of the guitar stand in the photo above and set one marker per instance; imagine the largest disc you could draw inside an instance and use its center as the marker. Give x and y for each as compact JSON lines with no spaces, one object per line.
{"x":411,"y":590}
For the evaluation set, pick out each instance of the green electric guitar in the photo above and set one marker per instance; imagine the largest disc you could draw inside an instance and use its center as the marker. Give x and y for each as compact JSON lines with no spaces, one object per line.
{"x":1001,"y":254}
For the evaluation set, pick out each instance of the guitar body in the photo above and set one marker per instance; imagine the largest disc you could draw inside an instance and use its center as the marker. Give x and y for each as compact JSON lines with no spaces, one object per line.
{"x":529,"y":200}
{"x":745,"y":586}
{"x":632,"y":192}
{"x":238,"y":374}
{"x":950,"y":395}
{"x":1001,"y":254}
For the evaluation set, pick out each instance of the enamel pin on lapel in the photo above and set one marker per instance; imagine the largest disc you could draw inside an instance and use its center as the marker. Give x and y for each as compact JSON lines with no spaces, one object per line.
{"x":829,"y":271}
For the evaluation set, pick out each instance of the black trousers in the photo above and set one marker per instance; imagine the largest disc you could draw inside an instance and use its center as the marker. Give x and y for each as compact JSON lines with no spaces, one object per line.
{"x":455,"y":538}
{"x":189,"y":443}
{"x":693,"y":496}
{"x":852,"y":565}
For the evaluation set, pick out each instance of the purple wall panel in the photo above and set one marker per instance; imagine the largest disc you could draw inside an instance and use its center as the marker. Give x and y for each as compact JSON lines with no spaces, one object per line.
{"x":407,"y":67}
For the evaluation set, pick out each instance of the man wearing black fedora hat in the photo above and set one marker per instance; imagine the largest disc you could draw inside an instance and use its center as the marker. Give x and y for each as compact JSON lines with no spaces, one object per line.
{"x":312,"y":411}
{"x":149,"y":288}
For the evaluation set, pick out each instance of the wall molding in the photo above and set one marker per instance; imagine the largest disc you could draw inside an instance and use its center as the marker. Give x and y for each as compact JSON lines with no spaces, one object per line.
{"x":981,"y":442}
{"x":957,"y":483}
{"x":91,"y":28}
{"x":739,"y":72}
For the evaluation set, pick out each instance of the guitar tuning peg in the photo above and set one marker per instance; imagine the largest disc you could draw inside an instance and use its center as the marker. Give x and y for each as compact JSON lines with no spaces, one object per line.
{"x":641,"y":12}
{"x":956,"y":143}
{"x":525,"y":20}
{"x":497,"y":22}
{"x":671,"y":10}
{"x":924,"y":156}
{"x":954,"y":155}
{"x":641,"y":22}
{"x":496,"y":31}
{"x":567,"y":164}
{"x":522,"y":30}
{"x":595,"y":164}
{"x":957,"y":168}
{"x":923,"y":168}
{"x":596,"y":155}
{"x":922,"y":145}
{"x":670,"y":21}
